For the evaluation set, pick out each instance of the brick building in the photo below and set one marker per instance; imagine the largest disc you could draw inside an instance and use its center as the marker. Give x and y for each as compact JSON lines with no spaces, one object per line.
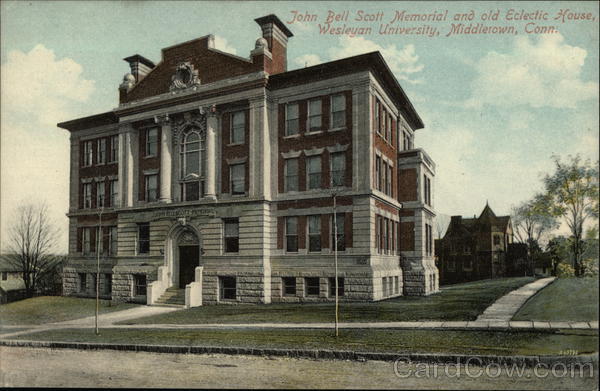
{"x":479,"y":248}
{"x":213,"y":181}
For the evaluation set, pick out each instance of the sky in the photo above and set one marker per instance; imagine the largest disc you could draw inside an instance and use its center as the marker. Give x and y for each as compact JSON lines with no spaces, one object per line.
{"x":496,"y":107}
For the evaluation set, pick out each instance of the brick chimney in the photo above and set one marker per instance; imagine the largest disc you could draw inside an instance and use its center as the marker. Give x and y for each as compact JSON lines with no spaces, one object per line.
{"x":140,"y":66}
{"x":276,"y":34}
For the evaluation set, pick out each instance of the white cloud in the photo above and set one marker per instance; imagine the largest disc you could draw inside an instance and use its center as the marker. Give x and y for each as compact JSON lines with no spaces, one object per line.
{"x":38,"y":90}
{"x":222,"y":45}
{"x":404,"y":62}
{"x":307,"y":60}
{"x":542,"y":73}
{"x":40,"y":86}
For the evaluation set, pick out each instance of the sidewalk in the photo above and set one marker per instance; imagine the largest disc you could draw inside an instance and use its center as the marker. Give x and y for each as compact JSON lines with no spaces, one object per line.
{"x":507,"y":306}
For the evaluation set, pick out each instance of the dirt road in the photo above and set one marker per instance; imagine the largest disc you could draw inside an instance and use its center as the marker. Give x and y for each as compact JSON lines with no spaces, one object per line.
{"x":25,"y":367}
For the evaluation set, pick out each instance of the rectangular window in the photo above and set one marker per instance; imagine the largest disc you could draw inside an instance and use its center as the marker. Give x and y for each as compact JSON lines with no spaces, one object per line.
{"x":338,"y":169}
{"x":139,"y":285}
{"x":427,"y":190}
{"x":291,"y":234}
{"x":114,"y":193}
{"x":227,"y":288}
{"x":88,"y":153}
{"x":313,"y":172}
{"x":151,"y":142}
{"x":497,"y":240}
{"x":338,"y":111}
{"x":314,"y":115}
{"x":143,"y":238}
{"x":291,"y":175}
{"x":384,"y":287}
{"x":314,"y":233}
{"x":192,"y":190}
{"x":390,"y":181}
{"x":4,"y":276}
{"x":377,"y":120}
{"x":99,"y":240}
{"x":428,"y":239}
{"x":114,"y":149}
{"x":332,"y":286}
{"x":112,"y":240}
{"x":292,"y":119}
{"x":388,"y":128}
{"x":231,"y":232}
{"x":100,"y":194}
{"x":238,"y":178}
{"x":384,"y":180}
{"x":101,"y":151}
{"x":396,"y":285}
{"x":82,"y":282}
{"x":340,"y":220}
{"x":238,"y":127}
{"x":289,"y":286}
{"x":87,"y":240}
{"x":378,"y":173}
{"x":151,"y":183}
{"x":386,"y":237}
{"x":378,"y":234}
{"x":87,"y":195}
{"x":107,"y":288}
{"x":311,"y":285}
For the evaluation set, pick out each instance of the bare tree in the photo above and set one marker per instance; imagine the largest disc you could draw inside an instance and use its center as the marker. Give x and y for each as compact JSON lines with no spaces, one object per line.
{"x":441,"y":224}
{"x":32,"y":240}
{"x":572,"y":191}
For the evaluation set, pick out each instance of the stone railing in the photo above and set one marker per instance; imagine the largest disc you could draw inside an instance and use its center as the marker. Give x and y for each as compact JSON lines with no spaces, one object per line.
{"x":157,"y":288}
{"x":193,"y":290}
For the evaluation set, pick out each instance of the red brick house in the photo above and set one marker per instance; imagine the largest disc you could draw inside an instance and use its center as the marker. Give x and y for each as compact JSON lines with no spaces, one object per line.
{"x":215,"y":177}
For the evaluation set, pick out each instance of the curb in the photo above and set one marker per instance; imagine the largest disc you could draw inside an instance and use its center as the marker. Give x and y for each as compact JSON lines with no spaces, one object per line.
{"x":529,"y":361}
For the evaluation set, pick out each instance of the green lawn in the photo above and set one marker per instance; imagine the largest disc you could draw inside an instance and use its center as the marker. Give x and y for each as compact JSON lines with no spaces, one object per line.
{"x":566,"y":299}
{"x":457,"y":302}
{"x":47,"y":309}
{"x":374,"y":340}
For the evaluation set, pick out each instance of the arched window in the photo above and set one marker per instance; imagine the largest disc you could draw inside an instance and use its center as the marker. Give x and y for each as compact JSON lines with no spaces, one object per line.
{"x":192,"y":168}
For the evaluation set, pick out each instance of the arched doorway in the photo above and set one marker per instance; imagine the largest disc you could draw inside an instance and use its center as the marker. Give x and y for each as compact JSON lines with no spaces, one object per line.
{"x":188,"y":248}
{"x":182,"y":253}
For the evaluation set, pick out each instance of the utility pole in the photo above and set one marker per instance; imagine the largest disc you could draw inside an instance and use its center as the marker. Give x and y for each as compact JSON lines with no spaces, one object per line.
{"x":335,"y":249}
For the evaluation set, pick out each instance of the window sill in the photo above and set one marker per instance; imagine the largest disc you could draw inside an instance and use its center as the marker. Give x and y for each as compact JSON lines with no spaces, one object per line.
{"x":292,"y":136}
{"x":339,"y":129}
{"x":313,"y":133}
{"x":149,"y":156}
{"x":235,"y":144}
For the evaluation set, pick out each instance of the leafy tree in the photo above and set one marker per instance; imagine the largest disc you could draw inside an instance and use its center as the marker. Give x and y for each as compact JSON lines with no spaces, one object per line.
{"x":572,"y":194}
{"x":531,"y":221}
{"x":32,"y":240}
{"x":558,"y":248}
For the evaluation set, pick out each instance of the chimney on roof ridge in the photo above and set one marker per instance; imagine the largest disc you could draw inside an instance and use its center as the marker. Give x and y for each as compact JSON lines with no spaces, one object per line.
{"x":140,"y":66}
{"x":276,"y":34}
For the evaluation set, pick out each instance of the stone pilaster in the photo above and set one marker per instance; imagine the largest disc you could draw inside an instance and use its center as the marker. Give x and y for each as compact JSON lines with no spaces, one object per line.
{"x":211,"y":129}
{"x":127,"y":153}
{"x":165,"y":157}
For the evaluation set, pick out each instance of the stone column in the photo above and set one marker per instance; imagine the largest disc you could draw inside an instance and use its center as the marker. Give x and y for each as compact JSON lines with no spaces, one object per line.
{"x":165,"y":157}
{"x":127,"y":141}
{"x":211,"y":128}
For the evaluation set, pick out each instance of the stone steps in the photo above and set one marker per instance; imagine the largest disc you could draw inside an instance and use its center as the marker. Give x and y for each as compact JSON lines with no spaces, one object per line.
{"x":172,"y":296}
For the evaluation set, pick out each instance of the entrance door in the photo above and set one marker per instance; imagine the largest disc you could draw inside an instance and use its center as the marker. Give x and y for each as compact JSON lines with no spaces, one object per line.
{"x":188,"y":260}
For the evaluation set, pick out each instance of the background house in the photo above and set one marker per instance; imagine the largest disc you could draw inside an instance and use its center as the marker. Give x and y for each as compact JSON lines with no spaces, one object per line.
{"x":478,"y":248}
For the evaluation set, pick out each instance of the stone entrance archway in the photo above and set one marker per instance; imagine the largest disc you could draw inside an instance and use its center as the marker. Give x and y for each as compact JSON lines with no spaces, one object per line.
{"x":183,"y":254}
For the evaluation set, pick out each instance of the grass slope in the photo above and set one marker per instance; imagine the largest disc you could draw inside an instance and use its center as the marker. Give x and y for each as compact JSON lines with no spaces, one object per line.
{"x":566,"y":299}
{"x":47,"y":309}
{"x":360,"y":340}
{"x":457,"y":302}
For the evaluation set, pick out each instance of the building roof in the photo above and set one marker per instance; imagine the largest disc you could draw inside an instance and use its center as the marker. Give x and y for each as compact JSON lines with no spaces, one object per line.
{"x":91,"y":121}
{"x":370,"y":61}
{"x":487,"y":221}
{"x":7,"y":266}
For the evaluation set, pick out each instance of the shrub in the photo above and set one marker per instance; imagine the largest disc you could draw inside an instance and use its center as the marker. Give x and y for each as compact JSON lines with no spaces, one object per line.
{"x":589,"y":267}
{"x":564,"y":270}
